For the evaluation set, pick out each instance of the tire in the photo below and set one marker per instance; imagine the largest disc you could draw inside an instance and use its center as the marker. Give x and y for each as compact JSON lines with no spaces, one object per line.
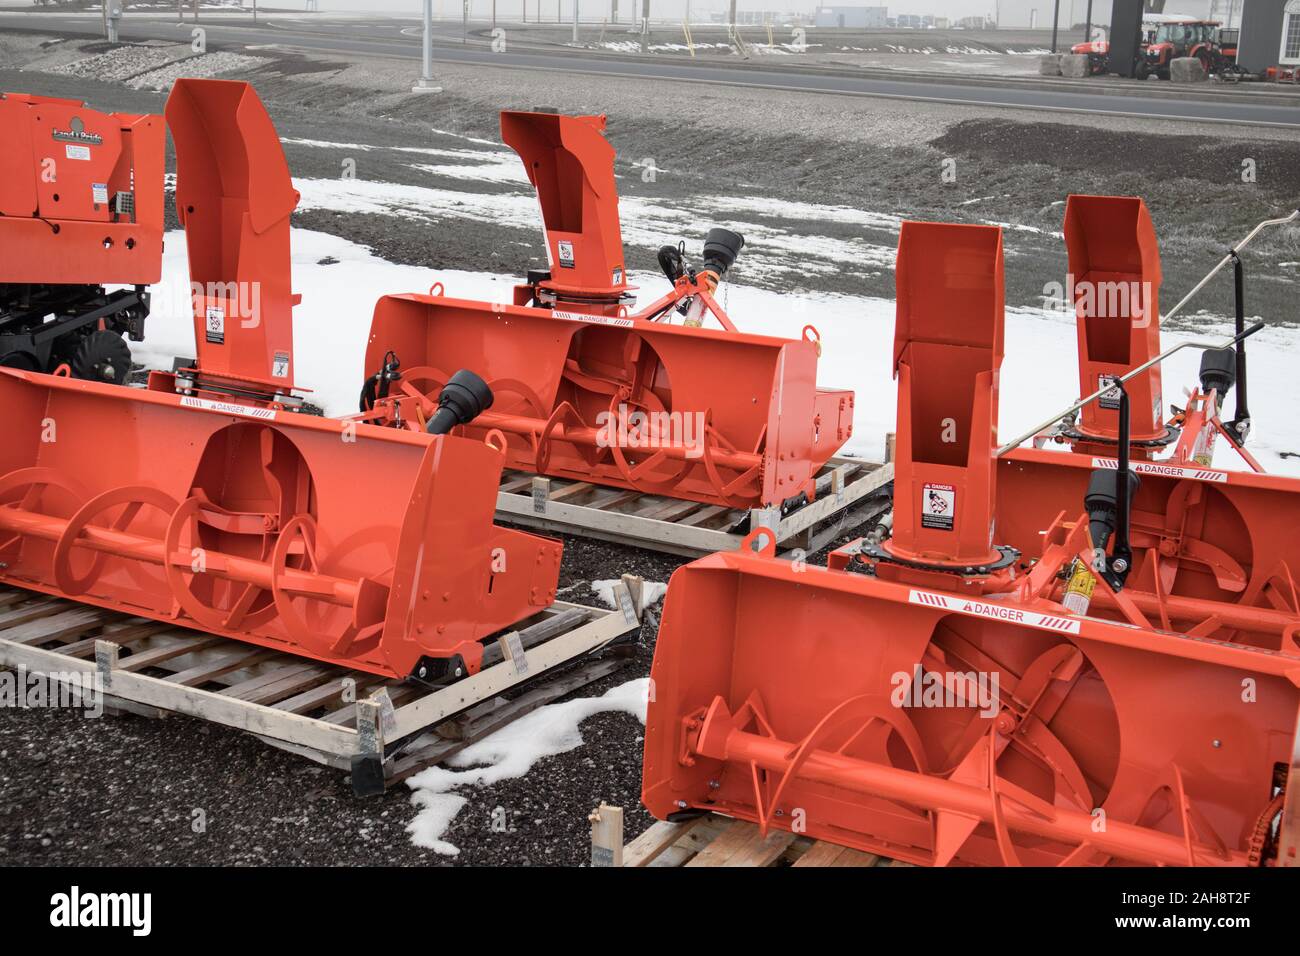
{"x":102,"y":357}
{"x":20,"y":360}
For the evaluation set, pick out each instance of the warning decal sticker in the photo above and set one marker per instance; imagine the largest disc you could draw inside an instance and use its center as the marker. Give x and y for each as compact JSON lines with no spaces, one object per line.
{"x":1168,"y":471}
{"x":229,"y":408}
{"x":620,"y":320}
{"x":938,"y":506}
{"x":566,"y":253}
{"x":998,"y":612}
{"x":280,"y":366}
{"x":1110,"y":397}
{"x":216,"y":325}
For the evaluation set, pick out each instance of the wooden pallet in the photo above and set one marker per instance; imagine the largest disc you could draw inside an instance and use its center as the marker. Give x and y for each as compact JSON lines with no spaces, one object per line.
{"x":849,"y":492}
{"x":380,"y":730}
{"x":715,"y":840}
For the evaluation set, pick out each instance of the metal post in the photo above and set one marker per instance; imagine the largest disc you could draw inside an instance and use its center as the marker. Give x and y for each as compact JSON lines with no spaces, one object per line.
{"x":613,"y":11}
{"x":645,"y":26}
{"x":1087,"y":24}
{"x":575,"y":21}
{"x":426,"y":84}
{"x":1056,"y":19}
{"x":112,"y":19}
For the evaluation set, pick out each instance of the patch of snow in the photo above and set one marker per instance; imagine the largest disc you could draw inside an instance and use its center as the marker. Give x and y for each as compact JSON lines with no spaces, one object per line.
{"x":468,"y":139}
{"x":646,"y":222}
{"x":651,"y":591}
{"x":508,"y":754}
{"x":480,"y":168}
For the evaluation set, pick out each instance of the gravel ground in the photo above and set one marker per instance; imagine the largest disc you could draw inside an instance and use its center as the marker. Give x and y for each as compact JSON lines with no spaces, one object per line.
{"x":125,"y":790}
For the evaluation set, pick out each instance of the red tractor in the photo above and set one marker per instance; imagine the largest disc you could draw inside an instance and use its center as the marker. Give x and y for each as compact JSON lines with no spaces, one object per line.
{"x":1202,"y":39}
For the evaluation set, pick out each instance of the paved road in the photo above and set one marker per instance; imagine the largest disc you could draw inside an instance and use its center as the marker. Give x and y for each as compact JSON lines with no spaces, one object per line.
{"x":399,"y":39}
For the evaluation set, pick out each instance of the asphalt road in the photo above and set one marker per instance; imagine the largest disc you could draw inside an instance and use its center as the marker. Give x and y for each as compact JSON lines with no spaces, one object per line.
{"x":386,"y":37}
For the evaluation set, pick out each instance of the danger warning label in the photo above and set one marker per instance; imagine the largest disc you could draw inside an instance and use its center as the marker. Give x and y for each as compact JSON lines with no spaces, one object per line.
{"x":938,"y":506}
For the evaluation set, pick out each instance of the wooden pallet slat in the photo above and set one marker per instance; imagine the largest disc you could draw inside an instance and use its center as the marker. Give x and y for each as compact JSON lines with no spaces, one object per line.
{"x":185,"y":642}
{"x":70,"y":622}
{"x":278,"y":683}
{"x":845,"y":496}
{"x":714,"y":840}
{"x":822,"y":853}
{"x":316,"y":710}
{"x":744,"y":846}
{"x":207,"y":671}
{"x":30,"y":611}
{"x":126,"y":637}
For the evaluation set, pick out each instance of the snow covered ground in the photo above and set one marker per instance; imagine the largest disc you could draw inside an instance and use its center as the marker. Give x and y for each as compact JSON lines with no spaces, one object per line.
{"x":1038,"y":374}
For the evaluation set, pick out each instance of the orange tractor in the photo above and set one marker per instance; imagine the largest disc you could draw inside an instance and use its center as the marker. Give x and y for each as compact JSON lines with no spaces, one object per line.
{"x":1201,"y":39}
{"x":1058,"y":657}
{"x":207,"y":500}
{"x":588,"y":387}
{"x":81,"y":207}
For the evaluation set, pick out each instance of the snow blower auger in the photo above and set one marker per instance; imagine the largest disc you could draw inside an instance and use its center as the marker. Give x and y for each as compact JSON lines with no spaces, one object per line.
{"x":586,"y":388}
{"x":931,"y":697}
{"x":81,"y":207}
{"x":1114,"y":285}
{"x":205,"y":500}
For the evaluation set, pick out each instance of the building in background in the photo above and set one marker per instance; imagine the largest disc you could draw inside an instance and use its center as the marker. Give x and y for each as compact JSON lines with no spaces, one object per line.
{"x":1270,"y":34}
{"x":860,"y":17}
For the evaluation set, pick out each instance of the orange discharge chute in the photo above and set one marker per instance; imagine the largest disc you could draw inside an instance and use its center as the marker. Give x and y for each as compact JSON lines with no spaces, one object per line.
{"x":586,"y":388}
{"x":981,"y":689}
{"x":208,"y":501}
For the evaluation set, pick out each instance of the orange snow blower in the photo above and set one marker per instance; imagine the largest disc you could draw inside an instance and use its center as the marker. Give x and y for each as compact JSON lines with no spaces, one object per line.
{"x":1025,"y":690}
{"x":588,"y":389}
{"x":1114,"y":285}
{"x":81,"y":207}
{"x":207,"y":501}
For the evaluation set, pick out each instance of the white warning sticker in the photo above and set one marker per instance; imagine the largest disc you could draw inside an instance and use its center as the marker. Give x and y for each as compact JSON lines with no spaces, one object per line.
{"x":280,"y":365}
{"x":99,"y":193}
{"x":77,"y":152}
{"x":566,"y":253}
{"x":1168,"y":471}
{"x":1110,"y":397}
{"x":228,"y":408}
{"x":215,"y":325}
{"x":999,"y":612}
{"x":938,"y":506}
{"x":621,"y":321}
